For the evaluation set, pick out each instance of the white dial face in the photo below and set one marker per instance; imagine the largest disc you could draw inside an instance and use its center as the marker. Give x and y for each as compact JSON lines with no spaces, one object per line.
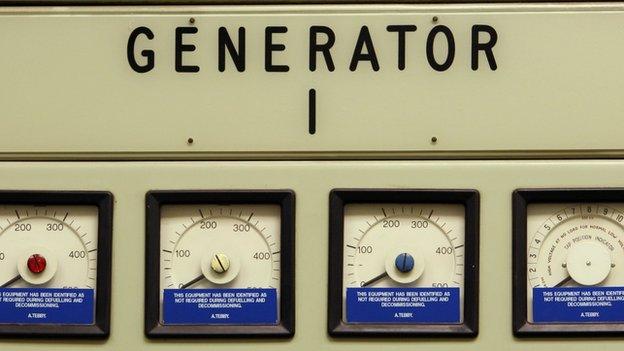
{"x":220,"y":247}
{"x":48,"y":246}
{"x":574,"y":245}
{"x":403,"y":245}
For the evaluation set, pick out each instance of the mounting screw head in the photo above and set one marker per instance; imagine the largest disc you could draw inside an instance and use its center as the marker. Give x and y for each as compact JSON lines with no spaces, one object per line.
{"x":220,"y":263}
{"x":36,"y":263}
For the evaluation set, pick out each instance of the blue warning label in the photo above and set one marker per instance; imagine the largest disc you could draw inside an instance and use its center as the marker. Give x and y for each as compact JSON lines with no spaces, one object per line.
{"x":46,"y":306}
{"x":578,"y":305}
{"x":403,"y":305}
{"x":220,"y":306}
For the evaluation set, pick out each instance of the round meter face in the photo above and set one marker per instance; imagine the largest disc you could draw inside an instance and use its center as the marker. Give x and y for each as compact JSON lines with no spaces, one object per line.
{"x":575,"y":263}
{"x":48,"y":264}
{"x":220,"y":264}
{"x":403,"y":263}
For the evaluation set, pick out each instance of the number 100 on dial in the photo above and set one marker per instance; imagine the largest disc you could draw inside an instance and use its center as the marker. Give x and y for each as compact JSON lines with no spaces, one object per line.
{"x":403,"y":263}
{"x":220,"y":264}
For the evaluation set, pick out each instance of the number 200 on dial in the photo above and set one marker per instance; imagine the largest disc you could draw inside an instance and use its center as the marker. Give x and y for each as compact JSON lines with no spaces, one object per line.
{"x":403,"y":263}
{"x":48,"y":264}
{"x":220,"y":264}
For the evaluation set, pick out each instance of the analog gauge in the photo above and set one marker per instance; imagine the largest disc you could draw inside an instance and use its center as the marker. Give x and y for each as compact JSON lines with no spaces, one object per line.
{"x":410,"y":258}
{"x":49,"y":264}
{"x":220,"y":264}
{"x":575,"y":262}
{"x":404,"y":263}
{"x":223,"y":259}
{"x":568,"y":275}
{"x":48,"y":247}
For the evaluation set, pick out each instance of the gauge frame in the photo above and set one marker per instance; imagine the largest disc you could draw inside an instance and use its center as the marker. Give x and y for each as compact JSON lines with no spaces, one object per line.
{"x":521,"y":198}
{"x":103,"y":200}
{"x":338,"y":198}
{"x":155,"y":199}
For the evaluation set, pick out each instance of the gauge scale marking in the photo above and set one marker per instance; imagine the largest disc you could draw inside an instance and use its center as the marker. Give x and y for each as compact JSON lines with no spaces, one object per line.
{"x":48,"y":264}
{"x":403,"y":263}
{"x":575,"y":261}
{"x":220,"y":264}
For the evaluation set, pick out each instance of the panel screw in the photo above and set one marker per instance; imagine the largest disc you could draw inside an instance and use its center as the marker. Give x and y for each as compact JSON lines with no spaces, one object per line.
{"x":220,"y":263}
{"x":190,"y":140}
{"x":404,"y":262}
{"x":434,"y":140}
{"x":434,"y":19}
{"x":192,"y":20}
{"x":36,"y":263}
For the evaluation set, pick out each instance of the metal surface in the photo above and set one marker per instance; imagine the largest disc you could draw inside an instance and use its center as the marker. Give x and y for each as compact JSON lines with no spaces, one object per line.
{"x":68,"y":94}
{"x":312,"y":182}
{"x":71,"y":94}
{"x":258,"y":2}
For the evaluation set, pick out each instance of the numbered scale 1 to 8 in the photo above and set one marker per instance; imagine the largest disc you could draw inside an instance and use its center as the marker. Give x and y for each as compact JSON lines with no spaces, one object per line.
{"x":220,"y":264}
{"x":403,"y":263}
{"x":575,"y":263}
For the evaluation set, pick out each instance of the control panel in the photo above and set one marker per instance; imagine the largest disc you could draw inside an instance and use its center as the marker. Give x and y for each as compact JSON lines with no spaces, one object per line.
{"x":311,"y":176}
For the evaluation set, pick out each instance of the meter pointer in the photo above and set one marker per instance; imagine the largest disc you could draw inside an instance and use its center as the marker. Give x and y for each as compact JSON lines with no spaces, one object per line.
{"x":219,"y":264}
{"x":10,"y":282}
{"x":375,"y":279}
{"x":184,"y":286}
{"x":404,"y":263}
{"x":563,"y":282}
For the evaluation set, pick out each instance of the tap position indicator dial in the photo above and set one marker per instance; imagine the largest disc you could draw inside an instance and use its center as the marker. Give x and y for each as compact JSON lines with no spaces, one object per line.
{"x":574,"y":246}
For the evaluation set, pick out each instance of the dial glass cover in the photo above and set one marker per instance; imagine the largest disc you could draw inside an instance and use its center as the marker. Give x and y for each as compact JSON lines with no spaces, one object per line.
{"x":55,"y":250}
{"x":220,"y":264}
{"x":48,"y":264}
{"x":575,"y":262}
{"x":403,"y":263}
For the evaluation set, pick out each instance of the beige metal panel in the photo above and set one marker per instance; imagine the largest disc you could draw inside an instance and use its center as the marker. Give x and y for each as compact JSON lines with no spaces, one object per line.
{"x":67,"y":89}
{"x":250,"y":2}
{"x":312,"y":181}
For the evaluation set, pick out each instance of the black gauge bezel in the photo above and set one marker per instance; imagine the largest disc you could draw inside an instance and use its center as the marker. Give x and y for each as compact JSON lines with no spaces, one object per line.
{"x":338,"y":198}
{"x":521,"y":198}
{"x":156,"y":199}
{"x":103,"y":200}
